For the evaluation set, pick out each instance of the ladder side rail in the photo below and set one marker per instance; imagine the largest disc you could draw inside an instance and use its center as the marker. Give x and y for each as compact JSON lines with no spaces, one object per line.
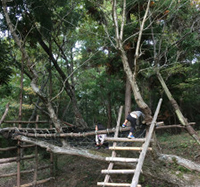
{"x":145,"y":147}
{"x":111,"y":164}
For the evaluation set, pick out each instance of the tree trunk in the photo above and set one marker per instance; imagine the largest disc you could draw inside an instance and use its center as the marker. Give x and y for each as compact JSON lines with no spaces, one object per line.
{"x":79,"y":121}
{"x":178,"y":112}
{"x":127,"y":97}
{"x":119,"y":45}
{"x":35,"y":87}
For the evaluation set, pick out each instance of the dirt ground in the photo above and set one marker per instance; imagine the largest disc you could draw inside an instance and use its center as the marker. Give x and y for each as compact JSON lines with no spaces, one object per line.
{"x":73,"y":171}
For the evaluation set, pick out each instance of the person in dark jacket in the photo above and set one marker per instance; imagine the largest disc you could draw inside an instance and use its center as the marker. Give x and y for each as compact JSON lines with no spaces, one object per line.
{"x":135,"y":118}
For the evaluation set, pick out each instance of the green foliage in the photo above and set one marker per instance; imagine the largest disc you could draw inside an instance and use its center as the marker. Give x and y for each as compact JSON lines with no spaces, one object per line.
{"x":74,"y":33}
{"x":5,"y":62}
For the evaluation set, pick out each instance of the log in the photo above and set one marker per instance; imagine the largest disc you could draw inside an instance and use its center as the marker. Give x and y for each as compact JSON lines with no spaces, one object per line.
{"x":15,"y":147}
{"x":8,"y":148}
{"x":14,"y":159}
{"x":180,"y":161}
{"x":26,"y":122}
{"x":37,"y":182}
{"x":174,"y":126}
{"x":23,"y":172}
{"x":49,"y":134}
{"x":5,"y":113}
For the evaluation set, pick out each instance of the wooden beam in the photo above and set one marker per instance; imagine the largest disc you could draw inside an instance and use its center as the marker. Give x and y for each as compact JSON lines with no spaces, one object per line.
{"x":115,"y":184}
{"x":120,"y":159}
{"x":128,"y":148}
{"x":118,"y":171}
{"x":23,"y":172}
{"x":38,"y":182}
{"x":5,"y":113}
{"x":145,"y":147}
{"x":26,"y":122}
{"x":125,"y":139}
{"x":14,"y":159}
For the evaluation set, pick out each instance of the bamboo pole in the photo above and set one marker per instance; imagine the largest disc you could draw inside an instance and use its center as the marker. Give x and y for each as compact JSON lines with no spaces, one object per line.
{"x":36,"y":157}
{"x":115,"y":184}
{"x":125,"y":139}
{"x":120,"y":159}
{"x":145,"y":147}
{"x":128,"y":148}
{"x":18,"y":164}
{"x":38,"y":182}
{"x":5,"y":113}
{"x":63,"y":135}
{"x":25,"y":122}
{"x":23,"y":172}
{"x":118,"y":171}
{"x":14,"y":159}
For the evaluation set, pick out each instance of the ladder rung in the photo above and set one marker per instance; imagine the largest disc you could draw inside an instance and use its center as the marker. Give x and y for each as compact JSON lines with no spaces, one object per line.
{"x":120,"y":159}
{"x":118,"y":171}
{"x":125,"y":139}
{"x":115,"y":184}
{"x":129,"y":148}
{"x":112,"y":184}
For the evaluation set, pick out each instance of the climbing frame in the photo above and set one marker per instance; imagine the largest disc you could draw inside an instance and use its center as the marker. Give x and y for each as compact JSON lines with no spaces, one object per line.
{"x":138,"y":161}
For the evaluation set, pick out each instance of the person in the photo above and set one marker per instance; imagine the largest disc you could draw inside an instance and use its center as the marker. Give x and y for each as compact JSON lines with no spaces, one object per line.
{"x":135,"y":118}
{"x":99,"y":138}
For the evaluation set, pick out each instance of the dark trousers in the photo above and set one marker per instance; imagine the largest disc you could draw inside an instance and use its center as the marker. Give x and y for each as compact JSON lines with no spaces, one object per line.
{"x":132,"y":121}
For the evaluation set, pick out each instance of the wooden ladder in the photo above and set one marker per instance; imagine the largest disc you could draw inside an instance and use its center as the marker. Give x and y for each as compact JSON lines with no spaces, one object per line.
{"x":139,"y":161}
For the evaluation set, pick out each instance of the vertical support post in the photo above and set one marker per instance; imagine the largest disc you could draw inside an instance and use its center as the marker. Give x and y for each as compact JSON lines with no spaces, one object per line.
{"x":36,"y":157}
{"x":20,"y":118}
{"x":36,"y":167}
{"x":18,"y":164}
{"x":52,"y":163}
{"x":51,"y":168}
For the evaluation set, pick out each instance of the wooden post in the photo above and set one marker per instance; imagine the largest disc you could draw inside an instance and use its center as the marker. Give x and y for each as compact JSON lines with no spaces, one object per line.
{"x":36,"y":157}
{"x":145,"y":147}
{"x":51,"y":164}
{"x":107,"y":177}
{"x":52,"y":169}
{"x":18,"y":164}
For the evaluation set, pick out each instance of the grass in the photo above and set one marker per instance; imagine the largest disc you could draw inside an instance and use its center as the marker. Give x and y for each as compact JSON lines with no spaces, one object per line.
{"x":82,"y":172}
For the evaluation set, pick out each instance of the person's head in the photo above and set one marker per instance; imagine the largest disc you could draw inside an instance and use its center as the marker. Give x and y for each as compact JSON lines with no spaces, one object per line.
{"x":100,"y":126}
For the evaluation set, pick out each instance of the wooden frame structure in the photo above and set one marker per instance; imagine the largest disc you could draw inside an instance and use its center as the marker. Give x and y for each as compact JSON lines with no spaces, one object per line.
{"x":19,"y":147}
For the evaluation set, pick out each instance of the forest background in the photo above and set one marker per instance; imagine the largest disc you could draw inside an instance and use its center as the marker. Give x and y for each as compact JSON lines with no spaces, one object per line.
{"x":66,"y":60}
{"x":71,"y":46}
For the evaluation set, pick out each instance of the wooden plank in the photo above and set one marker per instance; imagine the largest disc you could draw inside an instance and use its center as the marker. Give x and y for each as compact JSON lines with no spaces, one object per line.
{"x":120,"y":159}
{"x":118,"y":171}
{"x":128,"y":148}
{"x":115,"y":184}
{"x":145,"y":147}
{"x":125,"y":139}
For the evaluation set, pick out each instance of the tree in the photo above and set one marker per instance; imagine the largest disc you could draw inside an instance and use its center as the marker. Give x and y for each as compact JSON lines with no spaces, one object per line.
{"x":5,"y":70}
